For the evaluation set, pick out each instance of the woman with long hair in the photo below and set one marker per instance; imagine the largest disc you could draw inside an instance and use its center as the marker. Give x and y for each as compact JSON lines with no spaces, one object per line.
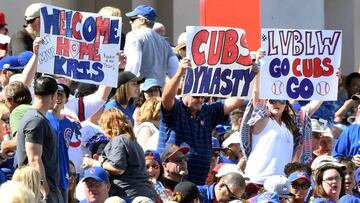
{"x":125,"y":94}
{"x":147,"y":132}
{"x":123,"y":157}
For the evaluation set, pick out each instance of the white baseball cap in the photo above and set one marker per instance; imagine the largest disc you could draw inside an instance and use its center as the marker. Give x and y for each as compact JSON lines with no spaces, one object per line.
{"x":278,"y":184}
{"x":232,"y":139}
{"x":230,"y":168}
{"x":32,"y":11}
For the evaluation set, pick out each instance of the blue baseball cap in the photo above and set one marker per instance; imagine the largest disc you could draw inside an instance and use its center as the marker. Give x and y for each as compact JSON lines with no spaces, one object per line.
{"x":154,"y":154}
{"x":215,"y":144}
{"x":15,"y":62}
{"x":145,"y":11}
{"x":299,"y":175}
{"x":268,"y":197}
{"x":322,"y":200}
{"x":149,"y":83}
{"x":97,"y":173}
{"x":221,"y":129}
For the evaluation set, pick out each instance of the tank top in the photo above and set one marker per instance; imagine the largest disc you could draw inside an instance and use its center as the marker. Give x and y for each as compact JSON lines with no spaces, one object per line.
{"x":272,"y":149}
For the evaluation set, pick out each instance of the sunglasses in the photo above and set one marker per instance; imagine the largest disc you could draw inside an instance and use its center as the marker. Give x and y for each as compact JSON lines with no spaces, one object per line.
{"x":232,"y":196}
{"x":273,"y":101}
{"x":133,"y":19}
{"x":178,"y":159}
{"x":300,"y":186}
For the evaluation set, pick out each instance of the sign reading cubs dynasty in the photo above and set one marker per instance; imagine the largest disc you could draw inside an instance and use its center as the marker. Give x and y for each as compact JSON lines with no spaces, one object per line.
{"x":300,"y":64}
{"x":220,"y":63}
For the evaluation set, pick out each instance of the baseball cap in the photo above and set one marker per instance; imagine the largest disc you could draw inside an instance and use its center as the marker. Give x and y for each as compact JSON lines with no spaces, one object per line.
{"x":322,"y":200}
{"x":142,"y":199}
{"x":84,"y":89}
{"x":145,"y":11}
{"x":15,"y":62}
{"x":278,"y":184}
{"x":45,"y":85}
{"x":2,"y":19}
{"x":127,"y":76}
{"x":171,"y":150}
{"x":181,"y":43}
{"x":316,"y":127}
{"x":230,"y":168}
{"x":299,"y":175}
{"x":232,"y":139}
{"x":32,"y":11}
{"x":215,"y":144}
{"x":188,"y":190}
{"x":64,"y":87}
{"x":268,"y":197}
{"x":152,"y":154}
{"x":114,"y":199}
{"x":221,"y":129}
{"x":149,"y":83}
{"x":97,"y":173}
{"x":323,"y":160}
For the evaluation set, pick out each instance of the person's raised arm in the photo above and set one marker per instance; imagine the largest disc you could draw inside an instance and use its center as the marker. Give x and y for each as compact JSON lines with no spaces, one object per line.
{"x":170,"y":89}
{"x":34,"y":153}
{"x":30,"y":69}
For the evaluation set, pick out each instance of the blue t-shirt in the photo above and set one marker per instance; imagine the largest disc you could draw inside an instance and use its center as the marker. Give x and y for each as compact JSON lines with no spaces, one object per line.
{"x":61,"y":128}
{"x":348,"y":143}
{"x":129,"y":111}
{"x":181,"y":128}
{"x":208,"y":192}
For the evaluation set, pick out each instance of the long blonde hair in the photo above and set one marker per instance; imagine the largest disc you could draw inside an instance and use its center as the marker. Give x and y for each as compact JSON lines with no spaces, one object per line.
{"x":114,"y":123}
{"x":150,"y":110}
{"x":30,"y":177}
{"x":16,"y":192}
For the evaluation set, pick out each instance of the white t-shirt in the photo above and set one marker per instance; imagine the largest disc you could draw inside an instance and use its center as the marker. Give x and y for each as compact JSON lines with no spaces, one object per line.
{"x":272,"y":149}
{"x":91,"y":105}
{"x":153,"y":140}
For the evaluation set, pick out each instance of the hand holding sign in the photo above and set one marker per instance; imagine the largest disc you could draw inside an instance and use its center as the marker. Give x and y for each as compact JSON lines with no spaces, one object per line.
{"x":184,"y":65}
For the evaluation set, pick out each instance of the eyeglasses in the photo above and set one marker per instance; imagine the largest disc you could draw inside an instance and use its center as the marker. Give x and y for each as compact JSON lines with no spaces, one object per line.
{"x":332,"y":179}
{"x":232,"y":196}
{"x":154,"y":166}
{"x":300,"y":186}
{"x":178,"y":159}
{"x":273,"y":101}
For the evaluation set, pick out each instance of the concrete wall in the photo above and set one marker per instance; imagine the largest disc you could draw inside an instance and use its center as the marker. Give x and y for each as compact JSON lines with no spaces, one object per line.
{"x":304,"y":14}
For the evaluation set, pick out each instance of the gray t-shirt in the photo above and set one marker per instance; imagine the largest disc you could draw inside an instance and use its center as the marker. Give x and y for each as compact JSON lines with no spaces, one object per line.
{"x":128,"y":155}
{"x":35,"y":128}
{"x":155,"y":54}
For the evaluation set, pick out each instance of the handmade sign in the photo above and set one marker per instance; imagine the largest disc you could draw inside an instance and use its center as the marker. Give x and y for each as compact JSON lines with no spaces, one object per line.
{"x":220,"y":61}
{"x":79,"y":45}
{"x":300,"y":64}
